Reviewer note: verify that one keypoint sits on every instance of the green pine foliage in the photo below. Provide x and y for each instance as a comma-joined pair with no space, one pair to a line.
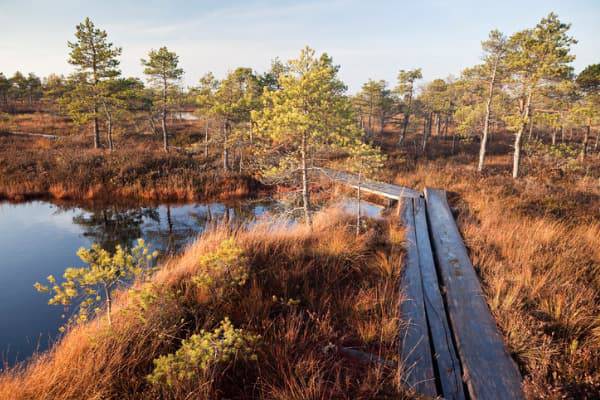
226,266
94,283
204,351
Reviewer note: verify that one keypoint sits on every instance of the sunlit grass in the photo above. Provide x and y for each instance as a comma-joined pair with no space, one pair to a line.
305,290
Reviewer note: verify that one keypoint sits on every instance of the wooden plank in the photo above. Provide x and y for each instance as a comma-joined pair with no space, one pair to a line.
444,353
394,192
488,370
415,354
42,135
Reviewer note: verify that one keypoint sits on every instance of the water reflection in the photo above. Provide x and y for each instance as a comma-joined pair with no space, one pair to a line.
40,238
111,226
168,227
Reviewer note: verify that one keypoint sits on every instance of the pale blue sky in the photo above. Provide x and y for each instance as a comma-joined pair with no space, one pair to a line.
369,39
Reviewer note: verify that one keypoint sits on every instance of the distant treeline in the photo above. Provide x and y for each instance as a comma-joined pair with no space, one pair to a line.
525,84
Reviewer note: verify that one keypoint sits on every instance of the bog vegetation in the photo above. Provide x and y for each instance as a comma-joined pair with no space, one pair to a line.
267,312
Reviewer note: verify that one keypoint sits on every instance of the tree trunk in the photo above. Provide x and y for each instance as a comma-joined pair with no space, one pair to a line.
95,99
370,123
164,130
427,132
209,213
164,117
562,134
438,125
405,120
446,122
108,305
108,115
597,139
225,147
486,124
529,135
453,142
305,197
358,204
206,139
96,131
586,138
170,238
169,220
554,136
109,132
519,137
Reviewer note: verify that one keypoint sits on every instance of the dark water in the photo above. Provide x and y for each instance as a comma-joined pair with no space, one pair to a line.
39,238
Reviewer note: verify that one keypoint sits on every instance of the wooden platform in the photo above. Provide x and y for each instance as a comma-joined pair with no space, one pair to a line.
387,190
28,134
450,344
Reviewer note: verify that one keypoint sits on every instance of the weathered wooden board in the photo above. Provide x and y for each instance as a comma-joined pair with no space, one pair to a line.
444,353
488,370
394,192
42,135
415,353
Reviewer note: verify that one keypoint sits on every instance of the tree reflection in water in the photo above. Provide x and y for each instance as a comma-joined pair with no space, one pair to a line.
114,225
167,227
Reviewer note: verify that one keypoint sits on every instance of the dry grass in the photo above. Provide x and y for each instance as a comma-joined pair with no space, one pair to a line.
39,122
535,244
347,292
69,169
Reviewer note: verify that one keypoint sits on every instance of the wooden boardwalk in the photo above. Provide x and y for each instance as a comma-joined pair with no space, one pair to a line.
389,191
28,134
450,344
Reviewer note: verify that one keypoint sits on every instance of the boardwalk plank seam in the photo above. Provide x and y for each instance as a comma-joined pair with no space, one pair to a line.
488,370
416,357
447,362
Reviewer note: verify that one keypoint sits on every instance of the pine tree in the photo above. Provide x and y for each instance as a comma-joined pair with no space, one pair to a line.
237,95
96,281
406,90
310,113
4,89
365,161
162,68
205,100
117,97
375,102
536,55
96,60
588,82
495,51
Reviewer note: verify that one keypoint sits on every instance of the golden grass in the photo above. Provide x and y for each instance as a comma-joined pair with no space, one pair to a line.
138,169
535,245
69,169
346,298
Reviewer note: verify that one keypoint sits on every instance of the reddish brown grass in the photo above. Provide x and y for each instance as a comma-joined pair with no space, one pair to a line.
535,245
346,297
69,169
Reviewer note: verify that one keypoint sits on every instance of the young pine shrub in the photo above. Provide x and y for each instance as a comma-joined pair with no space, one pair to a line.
225,267
104,272
203,354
